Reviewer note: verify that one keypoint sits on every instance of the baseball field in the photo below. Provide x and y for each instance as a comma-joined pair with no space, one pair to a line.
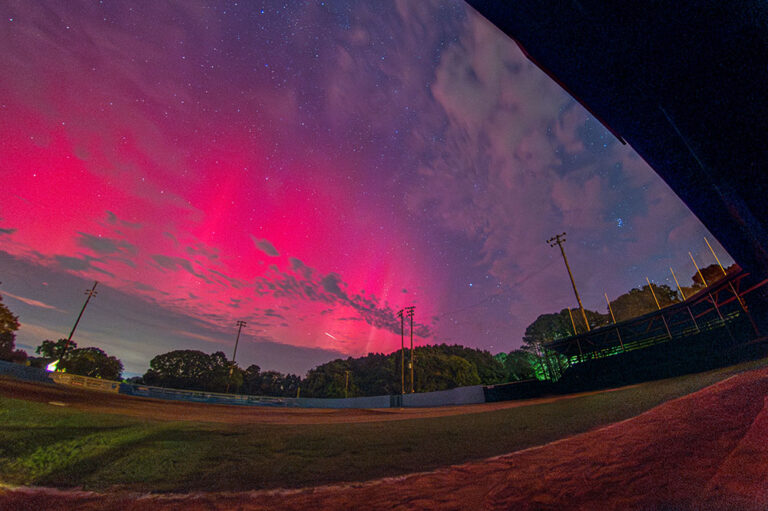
688,442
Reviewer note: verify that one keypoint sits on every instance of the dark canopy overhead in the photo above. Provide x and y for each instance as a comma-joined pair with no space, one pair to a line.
685,83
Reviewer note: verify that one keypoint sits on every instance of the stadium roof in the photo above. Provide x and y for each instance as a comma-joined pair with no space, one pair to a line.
683,82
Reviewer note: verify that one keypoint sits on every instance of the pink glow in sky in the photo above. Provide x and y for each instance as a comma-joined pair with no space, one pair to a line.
310,169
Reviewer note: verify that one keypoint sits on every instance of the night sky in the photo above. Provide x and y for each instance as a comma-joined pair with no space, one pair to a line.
310,168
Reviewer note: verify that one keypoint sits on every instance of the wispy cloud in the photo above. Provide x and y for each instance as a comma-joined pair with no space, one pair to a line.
202,337
30,301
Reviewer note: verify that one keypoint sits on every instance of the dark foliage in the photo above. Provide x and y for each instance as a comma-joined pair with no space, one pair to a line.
192,369
437,367
54,350
89,361
9,323
92,362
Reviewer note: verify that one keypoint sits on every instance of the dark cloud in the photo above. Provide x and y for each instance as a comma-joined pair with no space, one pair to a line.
80,264
330,288
265,246
123,260
176,263
7,230
272,313
211,253
102,245
234,282
143,287
299,267
330,284
112,219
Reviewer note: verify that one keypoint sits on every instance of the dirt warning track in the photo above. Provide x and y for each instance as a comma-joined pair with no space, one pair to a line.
106,402
707,450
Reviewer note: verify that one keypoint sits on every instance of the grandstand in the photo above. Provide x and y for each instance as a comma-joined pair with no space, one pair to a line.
712,328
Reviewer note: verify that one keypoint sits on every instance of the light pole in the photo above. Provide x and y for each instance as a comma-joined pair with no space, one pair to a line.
346,383
91,293
240,325
558,240
610,309
409,313
402,353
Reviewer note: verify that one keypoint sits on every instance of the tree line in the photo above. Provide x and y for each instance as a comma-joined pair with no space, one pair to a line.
437,367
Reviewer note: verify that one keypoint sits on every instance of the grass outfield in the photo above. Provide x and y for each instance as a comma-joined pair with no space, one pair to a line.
46,445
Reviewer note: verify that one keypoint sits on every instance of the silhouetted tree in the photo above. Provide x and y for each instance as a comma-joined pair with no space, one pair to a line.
53,350
554,326
251,379
192,369
518,365
438,367
272,383
9,323
489,369
712,274
640,301
326,380
440,371
92,362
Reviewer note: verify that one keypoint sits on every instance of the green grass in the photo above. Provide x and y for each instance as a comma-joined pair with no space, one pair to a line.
44,445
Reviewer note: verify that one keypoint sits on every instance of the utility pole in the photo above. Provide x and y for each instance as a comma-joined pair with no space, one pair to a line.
240,325
402,353
409,312
91,293
558,240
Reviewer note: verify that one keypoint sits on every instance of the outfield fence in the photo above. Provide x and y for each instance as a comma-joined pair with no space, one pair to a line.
457,396
85,382
23,372
199,396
